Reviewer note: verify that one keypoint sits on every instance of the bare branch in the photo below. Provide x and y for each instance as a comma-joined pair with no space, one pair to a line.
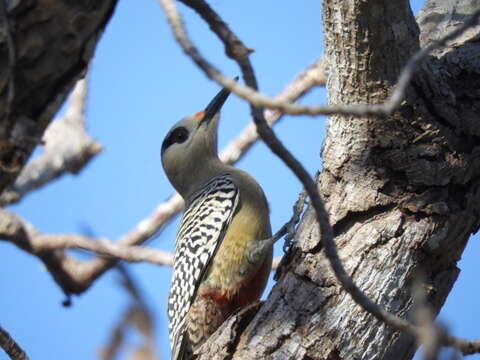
68,148
313,75
10,346
25,236
268,136
236,50
72,275
467,347
103,247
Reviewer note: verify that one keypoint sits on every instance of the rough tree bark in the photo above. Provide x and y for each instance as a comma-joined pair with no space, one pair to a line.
45,46
402,192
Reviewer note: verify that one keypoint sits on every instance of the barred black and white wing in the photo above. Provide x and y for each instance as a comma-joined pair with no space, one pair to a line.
200,233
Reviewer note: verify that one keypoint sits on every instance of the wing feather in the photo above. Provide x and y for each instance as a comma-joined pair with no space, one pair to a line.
200,233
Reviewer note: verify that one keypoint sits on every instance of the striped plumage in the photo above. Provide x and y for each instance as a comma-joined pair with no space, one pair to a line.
221,263
200,232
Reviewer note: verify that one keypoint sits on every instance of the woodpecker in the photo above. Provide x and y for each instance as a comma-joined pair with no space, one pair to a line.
222,260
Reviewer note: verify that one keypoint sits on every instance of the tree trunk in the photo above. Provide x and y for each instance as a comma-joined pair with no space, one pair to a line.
401,191
46,46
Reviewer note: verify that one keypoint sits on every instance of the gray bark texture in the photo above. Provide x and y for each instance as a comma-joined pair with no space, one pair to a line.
402,191
45,46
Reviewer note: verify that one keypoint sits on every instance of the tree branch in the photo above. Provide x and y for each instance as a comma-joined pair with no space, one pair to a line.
236,50
10,346
68,148
45,69
25,236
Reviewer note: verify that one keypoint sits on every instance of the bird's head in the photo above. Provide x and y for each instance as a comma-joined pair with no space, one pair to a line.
191,145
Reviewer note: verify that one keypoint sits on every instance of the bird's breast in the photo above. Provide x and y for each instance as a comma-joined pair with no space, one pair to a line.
230,269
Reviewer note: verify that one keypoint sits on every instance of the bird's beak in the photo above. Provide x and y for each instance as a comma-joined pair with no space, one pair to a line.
215,105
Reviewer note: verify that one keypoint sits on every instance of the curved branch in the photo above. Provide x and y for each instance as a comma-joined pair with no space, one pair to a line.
237,51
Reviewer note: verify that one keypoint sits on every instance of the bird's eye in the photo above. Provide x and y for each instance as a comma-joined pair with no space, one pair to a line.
178,135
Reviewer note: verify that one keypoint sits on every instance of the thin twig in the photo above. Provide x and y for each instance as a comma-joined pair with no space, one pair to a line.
255,98
268,136
466,346
9,345
288,229
103,247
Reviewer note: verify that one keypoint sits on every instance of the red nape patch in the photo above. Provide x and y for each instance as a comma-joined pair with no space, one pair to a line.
199,115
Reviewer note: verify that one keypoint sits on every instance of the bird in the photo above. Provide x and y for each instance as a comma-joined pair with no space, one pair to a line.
221,261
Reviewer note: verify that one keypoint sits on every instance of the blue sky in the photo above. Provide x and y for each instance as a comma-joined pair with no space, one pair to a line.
141,84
